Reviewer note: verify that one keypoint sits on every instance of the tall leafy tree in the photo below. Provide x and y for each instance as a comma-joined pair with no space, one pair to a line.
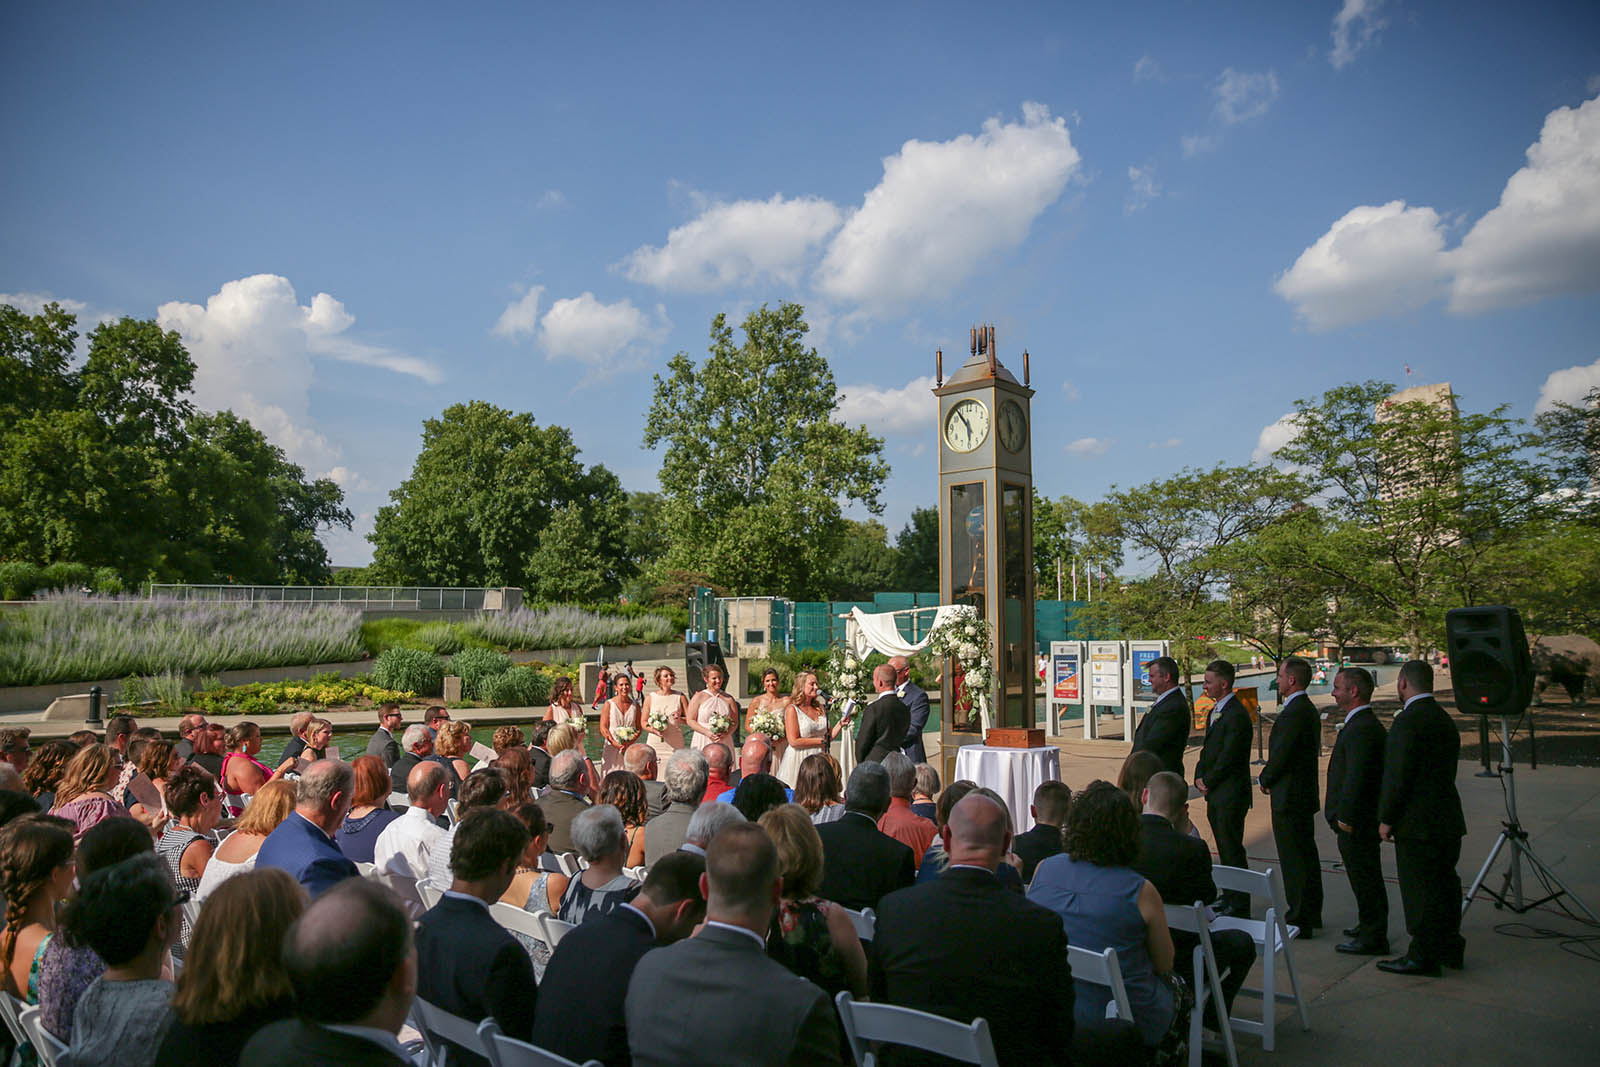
1068,532
864,564
755,470
917,553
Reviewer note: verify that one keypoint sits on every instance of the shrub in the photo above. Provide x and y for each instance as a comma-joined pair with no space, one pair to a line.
519,687
18,579
164,688
72,576
107,582
379,634
566,627
475,666
443,638
411,670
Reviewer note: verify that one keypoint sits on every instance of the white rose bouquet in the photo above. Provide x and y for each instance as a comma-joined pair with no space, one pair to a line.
625,734
767,721
848,676
659,720
719,724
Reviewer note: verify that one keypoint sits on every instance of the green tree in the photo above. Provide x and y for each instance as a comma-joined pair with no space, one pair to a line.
1568,437
35,353
1068,532
917,553
563,568
484,488
755,470
864,564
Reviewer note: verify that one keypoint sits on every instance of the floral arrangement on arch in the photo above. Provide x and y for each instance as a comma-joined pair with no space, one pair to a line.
966,639
848,677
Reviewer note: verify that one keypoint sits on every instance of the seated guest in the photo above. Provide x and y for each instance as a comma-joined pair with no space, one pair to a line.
129,914
36,872
417,746
318,736
158,761
84,795
383,743
405,847
624,791
900,822
243,774
303,843
811,936
518,768
296,747
453,743
685,785
758,793
67,970
641,760
209,746
860,862
817,787
188,725
568,795
535,891
187,845
925,791
273,803
934,861
1137,770
233,982
1050,803
1104,903
119,733
351,965
468,964
44,771
482,789
600,840
718,996
14,749
10,780
1179,866
706,822
963,946
505,737
369,809
538,734
15,803
755,757
719,770
581,999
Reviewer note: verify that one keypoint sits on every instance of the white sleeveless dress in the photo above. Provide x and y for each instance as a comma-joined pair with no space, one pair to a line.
789,769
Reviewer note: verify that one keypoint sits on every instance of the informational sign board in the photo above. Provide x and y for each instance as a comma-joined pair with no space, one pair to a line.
1105,673
1066,674
1140,655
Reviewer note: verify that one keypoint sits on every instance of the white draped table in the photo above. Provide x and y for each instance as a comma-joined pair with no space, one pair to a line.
1014,773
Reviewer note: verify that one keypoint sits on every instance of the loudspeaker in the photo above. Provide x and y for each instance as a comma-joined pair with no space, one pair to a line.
699,655
1490,669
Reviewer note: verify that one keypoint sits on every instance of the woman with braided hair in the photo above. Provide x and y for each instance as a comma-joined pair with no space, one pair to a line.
36,873
84,795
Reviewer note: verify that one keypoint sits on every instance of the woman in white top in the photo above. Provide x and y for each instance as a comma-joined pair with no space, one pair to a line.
619,711
676,706
806,721
272,804
707,704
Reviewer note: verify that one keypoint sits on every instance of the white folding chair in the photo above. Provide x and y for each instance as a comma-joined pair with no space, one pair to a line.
865,922
1101,968
569,863
450,809
554,929
430,896
438,1026
11,1012
549,861
1206,979
967,1042
49,1047
509,1052
1272,936
519,921
637,873
399,800
191,912
365,869
402,886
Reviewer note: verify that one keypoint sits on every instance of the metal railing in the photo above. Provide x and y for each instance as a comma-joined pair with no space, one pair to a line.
398,597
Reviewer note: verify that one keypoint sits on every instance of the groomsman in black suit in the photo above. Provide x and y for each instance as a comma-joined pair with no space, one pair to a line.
1223,776
1164,730
1420,811
1355,776
915,698
1290,779
885,721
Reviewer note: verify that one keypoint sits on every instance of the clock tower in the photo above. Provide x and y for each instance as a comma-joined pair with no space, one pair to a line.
986,531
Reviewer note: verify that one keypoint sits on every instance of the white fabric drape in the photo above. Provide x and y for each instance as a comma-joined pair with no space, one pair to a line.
866,632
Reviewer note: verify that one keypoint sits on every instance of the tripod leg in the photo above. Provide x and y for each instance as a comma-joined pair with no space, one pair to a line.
1553,878
1483,872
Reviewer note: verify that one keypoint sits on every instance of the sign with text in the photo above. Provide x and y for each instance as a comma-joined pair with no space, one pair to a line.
1067,677
1140,655
1105,673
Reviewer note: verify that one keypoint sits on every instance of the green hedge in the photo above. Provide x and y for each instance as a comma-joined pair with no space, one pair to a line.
475,666
520,687
410,670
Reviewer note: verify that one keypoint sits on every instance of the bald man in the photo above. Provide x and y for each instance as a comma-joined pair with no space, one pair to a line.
885,721
963,945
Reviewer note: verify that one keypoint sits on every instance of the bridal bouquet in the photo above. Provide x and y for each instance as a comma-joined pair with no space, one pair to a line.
719,724
659,720
767,721
625,734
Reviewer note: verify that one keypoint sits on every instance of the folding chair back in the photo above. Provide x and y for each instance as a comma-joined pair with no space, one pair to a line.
365,869
11,1010
1272,936
554,930
967,1042
49,1047
515,919
430,896
865,922
509,1052
402,886
1101,968
438,1026
399,801
1205,980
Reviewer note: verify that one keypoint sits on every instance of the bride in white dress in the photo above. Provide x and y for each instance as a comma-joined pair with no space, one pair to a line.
807,723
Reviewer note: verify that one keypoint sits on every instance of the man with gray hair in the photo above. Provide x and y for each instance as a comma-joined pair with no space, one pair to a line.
900,822
568,797
303,843
707,820
685,785
860,863
885,722
417,744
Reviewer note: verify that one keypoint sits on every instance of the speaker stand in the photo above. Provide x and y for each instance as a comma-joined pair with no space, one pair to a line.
1511,889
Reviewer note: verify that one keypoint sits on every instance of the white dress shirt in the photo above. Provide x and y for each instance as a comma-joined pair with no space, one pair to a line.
406,844
1353,711
1413,700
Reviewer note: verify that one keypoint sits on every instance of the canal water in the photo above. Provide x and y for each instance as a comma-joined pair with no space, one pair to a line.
352,743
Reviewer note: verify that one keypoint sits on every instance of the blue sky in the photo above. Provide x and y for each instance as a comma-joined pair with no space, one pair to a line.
1190,214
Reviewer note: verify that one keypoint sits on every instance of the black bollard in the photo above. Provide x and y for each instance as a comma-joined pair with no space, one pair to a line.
94,705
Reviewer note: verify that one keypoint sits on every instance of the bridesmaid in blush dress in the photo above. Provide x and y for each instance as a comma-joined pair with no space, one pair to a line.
676,706
619,711
708,703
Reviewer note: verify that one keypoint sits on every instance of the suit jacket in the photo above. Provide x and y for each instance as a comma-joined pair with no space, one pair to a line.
655,797
400,770
915,699
581,999
541,766
307,853
1292,750
1179,866
719,998
883,728
471,966
1419,797
666,832
384,746
307,1044
1164,730
1355,774
860,863
559,811
964,946
1041,842
1225,758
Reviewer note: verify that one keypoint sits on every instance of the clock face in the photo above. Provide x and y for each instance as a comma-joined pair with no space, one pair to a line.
1013,426
967,425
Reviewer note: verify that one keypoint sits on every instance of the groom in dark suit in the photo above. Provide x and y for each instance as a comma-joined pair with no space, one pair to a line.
1164,729
915,699
1290,779
885,721
1222,774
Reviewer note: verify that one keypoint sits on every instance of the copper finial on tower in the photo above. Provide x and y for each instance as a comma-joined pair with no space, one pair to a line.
1025,374
974,334
938,367
994,368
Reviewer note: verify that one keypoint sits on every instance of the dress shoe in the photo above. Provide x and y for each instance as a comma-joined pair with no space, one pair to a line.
1352,931
1306,932
1457,961
1363,948
1407,965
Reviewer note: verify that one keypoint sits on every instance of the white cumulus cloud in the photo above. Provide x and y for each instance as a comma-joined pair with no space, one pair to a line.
943,206
1356,26
1543,238
521,316
1274,436
33,303
910,408
1142,188
737,244
582,328
1374,261
1089,446
1242,95
1569,386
